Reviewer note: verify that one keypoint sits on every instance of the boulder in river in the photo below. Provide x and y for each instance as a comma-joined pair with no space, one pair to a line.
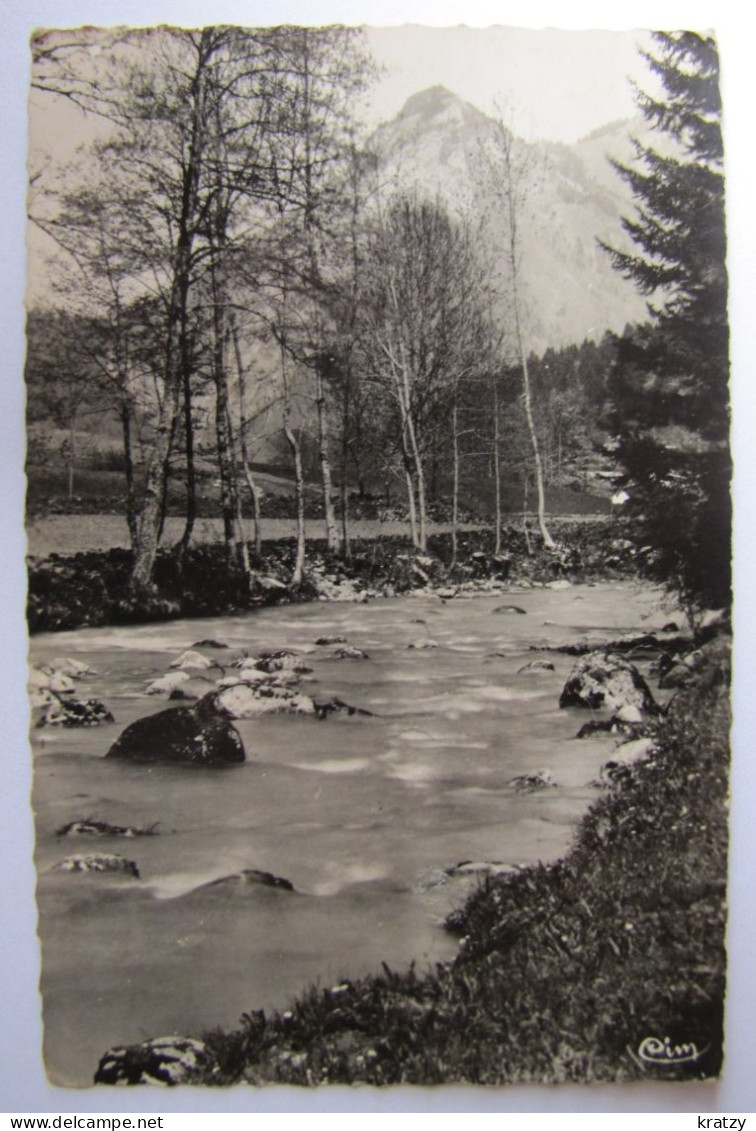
192,689
191,659
39,699
70,666
324,708
530,783
285,659
91,827
605,680
167,683
75,713
484,868
349,653
242,701
249,878
619,769
616,726
194,735
98,862
537,666
47,679
324,640
209,644
256,678
161,1060
509,610
676,673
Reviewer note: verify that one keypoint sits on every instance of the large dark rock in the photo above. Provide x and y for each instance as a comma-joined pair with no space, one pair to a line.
182,734
605,680
161,1060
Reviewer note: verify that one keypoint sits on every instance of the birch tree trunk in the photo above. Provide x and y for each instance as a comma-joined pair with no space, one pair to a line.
455,481
71,454
332,533
254,490
345,422
191,478
128,465
497,467
419,471
222,417
510,189
411,499
292,440
153,500
242,550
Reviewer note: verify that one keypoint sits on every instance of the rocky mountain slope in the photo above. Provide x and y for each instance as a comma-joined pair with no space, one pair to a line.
570,196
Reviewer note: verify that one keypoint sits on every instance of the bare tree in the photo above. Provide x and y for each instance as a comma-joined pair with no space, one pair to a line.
509,182
425,334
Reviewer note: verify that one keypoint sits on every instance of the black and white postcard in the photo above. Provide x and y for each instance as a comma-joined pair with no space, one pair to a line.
378,517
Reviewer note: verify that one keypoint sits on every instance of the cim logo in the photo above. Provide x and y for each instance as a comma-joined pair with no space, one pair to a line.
661,1052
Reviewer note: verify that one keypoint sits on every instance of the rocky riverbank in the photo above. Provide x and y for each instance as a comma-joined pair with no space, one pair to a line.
607,965
92,589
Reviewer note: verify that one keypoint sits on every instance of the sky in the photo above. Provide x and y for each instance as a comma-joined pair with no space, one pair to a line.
554,85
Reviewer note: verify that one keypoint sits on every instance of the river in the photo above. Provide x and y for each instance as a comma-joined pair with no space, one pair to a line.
364,815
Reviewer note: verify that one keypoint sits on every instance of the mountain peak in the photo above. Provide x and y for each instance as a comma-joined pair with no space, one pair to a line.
571,198
429,102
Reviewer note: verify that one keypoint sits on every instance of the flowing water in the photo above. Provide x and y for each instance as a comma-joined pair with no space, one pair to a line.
363,815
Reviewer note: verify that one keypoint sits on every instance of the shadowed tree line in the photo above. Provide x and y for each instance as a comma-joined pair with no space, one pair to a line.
234,279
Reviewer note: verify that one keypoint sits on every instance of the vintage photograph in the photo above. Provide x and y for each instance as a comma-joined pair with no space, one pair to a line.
379,585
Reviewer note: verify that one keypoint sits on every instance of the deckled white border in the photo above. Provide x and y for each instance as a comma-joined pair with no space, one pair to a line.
23,1086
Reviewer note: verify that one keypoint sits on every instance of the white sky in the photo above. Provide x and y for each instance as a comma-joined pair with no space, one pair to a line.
552,84
556,85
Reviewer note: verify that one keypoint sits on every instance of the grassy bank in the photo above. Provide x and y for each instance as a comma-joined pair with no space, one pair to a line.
92,588
101,490
565,973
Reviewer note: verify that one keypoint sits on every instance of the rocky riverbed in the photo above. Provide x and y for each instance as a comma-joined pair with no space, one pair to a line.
342,839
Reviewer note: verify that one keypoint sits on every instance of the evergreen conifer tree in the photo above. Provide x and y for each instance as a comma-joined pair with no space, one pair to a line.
670,386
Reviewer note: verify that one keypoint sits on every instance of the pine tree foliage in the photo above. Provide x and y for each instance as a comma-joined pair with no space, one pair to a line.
670,387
